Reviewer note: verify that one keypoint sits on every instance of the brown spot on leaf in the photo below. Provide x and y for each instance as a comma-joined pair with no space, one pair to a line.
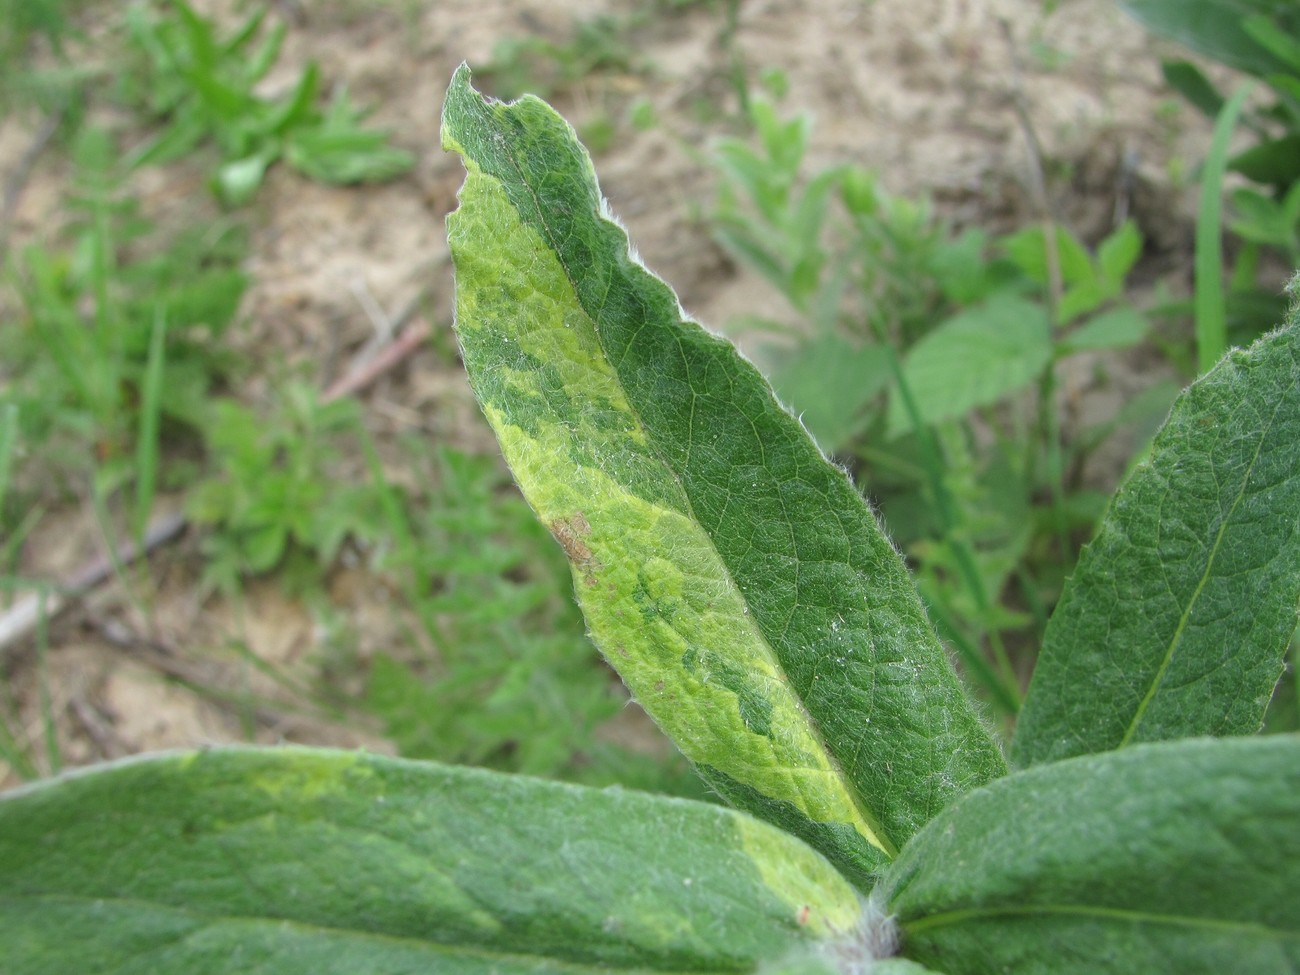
571,533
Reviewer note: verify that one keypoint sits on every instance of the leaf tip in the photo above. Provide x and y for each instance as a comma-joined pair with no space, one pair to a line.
459,94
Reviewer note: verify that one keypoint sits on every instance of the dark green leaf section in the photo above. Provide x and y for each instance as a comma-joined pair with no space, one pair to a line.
1216,28
1177,618
1179,857
311,861
824,588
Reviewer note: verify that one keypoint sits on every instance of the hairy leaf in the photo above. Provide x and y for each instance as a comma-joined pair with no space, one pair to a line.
734,577
313,861
1179,858
1177,618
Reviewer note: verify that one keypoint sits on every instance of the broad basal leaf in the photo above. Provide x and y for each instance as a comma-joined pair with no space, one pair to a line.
1177,618
1179,858
293,861
733,576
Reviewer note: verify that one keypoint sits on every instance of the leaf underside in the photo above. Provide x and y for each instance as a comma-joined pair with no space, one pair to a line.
1177,857
734,578
315,861
1178,616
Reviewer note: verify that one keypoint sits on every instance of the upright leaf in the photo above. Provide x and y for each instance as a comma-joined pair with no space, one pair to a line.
1179,858
312,861
1177,618
732,575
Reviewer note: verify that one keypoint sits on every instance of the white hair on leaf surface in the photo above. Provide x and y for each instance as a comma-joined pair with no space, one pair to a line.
874,938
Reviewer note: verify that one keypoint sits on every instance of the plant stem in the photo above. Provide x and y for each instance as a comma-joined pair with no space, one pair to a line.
1004,689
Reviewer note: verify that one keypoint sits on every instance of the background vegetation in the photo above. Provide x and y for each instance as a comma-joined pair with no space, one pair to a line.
145,404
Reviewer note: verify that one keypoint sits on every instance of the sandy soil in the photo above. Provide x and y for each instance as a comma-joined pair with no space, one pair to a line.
921,90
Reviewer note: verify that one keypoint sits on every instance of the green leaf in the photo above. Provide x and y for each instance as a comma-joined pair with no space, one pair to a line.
975,358
313,861
828,381
1209,309
343,157
8,448
1114,329
1190,81
1214,28
1276,162
1027,249
1177,617
1272,36
734,578
1179,858
1117,254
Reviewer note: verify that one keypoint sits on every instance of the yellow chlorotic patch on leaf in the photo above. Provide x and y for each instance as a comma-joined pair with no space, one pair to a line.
650,581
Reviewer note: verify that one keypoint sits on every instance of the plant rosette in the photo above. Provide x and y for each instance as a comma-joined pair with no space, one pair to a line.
756,610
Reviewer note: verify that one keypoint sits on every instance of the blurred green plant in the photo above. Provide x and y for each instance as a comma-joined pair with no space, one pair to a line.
534,64
276,497
603,54
1260,38
27,29
203,86
76,358
931,358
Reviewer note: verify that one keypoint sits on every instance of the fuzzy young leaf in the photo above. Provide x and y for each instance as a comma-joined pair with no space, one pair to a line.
315,861
1181,857
1177,618
734,577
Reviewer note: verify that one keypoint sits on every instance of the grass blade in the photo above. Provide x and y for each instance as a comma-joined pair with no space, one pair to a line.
8,447
146,447
1210,306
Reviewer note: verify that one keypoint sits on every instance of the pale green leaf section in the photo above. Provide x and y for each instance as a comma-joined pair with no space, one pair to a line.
312,861
1180,611
1180,858
973,359
1114,329
732,576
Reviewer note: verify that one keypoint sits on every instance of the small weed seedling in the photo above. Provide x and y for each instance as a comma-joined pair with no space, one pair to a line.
274,493
748,597
203,85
